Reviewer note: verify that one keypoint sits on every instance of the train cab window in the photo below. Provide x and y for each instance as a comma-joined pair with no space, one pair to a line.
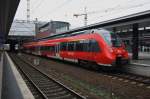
94,47
110,38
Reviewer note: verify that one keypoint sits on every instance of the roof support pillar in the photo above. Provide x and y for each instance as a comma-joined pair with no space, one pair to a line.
135,40
114,29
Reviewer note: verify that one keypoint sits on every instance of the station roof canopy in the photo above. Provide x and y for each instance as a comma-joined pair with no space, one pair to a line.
143,18
7,12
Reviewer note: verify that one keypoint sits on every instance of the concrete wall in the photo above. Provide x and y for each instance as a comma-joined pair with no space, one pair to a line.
13,85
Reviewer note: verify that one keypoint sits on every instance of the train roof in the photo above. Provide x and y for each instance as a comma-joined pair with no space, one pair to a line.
61,35
63,38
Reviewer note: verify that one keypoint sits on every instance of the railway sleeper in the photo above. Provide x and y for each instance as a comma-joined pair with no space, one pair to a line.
55,90
67,96
40,79
52,87
46,83
61,93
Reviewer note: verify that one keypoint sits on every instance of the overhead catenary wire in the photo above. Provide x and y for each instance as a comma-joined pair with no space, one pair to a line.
34,9
105,11
34,1
57,8
61,6
116,9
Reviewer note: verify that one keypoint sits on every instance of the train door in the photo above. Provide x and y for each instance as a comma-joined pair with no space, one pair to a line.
71,49
90,48
94,49
57,49
38,50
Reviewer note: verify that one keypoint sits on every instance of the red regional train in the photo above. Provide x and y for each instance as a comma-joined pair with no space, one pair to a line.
98,46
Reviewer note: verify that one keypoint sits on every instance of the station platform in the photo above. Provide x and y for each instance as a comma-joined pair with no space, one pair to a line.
12,85
144,59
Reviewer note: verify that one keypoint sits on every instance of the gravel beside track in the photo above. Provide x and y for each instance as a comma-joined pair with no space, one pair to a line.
48,87
91,83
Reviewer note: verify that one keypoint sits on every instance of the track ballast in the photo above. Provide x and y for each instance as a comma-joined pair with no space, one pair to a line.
47,87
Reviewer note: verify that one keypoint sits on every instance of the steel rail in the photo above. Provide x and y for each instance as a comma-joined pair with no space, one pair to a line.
49,87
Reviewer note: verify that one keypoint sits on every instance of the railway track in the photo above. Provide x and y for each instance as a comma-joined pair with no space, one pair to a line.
135,78
118,74
45,87
36,93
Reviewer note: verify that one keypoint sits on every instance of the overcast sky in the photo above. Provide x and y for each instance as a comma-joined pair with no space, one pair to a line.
63,10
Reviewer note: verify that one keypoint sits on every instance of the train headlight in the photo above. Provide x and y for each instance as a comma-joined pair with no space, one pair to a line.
118,51
111,50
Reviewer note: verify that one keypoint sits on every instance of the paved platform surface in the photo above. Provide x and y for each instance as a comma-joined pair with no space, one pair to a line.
13,85
144,59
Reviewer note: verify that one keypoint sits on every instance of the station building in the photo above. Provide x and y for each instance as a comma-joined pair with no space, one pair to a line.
51,28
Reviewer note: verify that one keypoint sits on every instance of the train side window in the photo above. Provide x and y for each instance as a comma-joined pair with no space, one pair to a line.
79,46
94,47
70,46
63,46
86,45
82,45
41,48
52,48
49,48
37,48
46,48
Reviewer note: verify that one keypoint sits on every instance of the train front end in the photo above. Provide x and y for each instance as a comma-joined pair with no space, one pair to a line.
115,51
119,50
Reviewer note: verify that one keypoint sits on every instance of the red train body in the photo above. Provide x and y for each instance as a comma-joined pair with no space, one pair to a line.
93,46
